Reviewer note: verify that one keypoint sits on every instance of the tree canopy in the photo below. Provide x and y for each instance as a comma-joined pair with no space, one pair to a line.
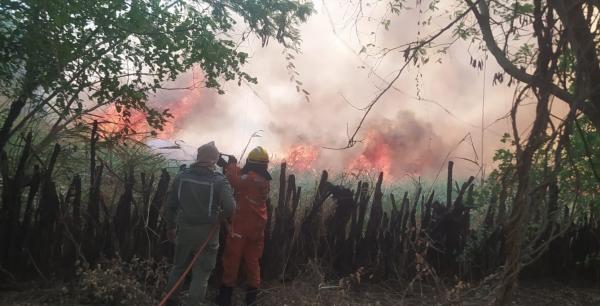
63,59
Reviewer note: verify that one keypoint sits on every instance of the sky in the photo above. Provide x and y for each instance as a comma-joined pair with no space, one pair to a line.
432,114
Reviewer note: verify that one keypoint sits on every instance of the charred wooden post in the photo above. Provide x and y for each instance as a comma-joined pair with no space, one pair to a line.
122,218
396,235
287,218
385,248
94,137
107,238
142,247
362,210
358,232
153,227
369,245
405,213
435,230
470,204
48,210
159,198
449,185
73,223
358,192
449,231
458,204
502,199
310,227
354,231
280,210
295,202
413,211
336,225
28,216
488,222
76,205
290,243
465,228
426,213
394,213
10,235
273,237
400,236
147,185
92,226
374,222
287,234
350,245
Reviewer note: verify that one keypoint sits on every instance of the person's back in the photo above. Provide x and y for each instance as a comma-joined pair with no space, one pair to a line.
198,194
198,198
245,240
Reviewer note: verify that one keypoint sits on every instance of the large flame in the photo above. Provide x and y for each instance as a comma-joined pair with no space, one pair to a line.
375,157
112,122
179,110
136,126
302,157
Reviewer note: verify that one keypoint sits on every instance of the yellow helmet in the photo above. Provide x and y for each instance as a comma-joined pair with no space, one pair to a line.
258,155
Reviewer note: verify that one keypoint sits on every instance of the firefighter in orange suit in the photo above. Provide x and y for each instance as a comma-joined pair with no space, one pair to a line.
245,237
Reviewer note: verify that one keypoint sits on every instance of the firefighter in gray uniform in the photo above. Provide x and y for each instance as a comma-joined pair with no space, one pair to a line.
197,200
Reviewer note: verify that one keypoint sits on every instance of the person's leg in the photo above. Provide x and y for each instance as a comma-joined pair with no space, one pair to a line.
253,251
180,262
200,274
232,256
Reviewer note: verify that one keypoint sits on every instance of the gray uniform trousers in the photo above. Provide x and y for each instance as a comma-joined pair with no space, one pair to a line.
189,239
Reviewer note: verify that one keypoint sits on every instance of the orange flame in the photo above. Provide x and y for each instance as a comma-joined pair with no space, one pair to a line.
375,157
113,122
179,110
302,157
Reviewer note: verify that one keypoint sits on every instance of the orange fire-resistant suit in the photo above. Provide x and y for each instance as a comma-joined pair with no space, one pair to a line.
245,237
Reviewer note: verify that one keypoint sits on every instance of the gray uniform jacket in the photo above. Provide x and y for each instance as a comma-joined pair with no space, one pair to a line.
198,196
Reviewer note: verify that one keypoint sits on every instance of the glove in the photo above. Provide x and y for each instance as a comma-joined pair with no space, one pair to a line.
232,160
221,162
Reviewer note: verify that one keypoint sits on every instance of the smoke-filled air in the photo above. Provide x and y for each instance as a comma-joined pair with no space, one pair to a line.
433,113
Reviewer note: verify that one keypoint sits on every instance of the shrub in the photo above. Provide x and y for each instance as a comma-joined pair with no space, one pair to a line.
112,283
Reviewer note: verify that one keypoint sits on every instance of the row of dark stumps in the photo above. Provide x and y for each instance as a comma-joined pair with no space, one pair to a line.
47,232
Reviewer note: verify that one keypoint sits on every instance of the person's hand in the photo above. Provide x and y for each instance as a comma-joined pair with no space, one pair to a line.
172,234
232,160
221,162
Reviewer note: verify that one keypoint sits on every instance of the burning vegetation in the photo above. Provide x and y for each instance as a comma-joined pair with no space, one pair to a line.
397,147
139,125
302,157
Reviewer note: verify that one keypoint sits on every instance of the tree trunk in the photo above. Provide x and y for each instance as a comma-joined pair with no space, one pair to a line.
518,218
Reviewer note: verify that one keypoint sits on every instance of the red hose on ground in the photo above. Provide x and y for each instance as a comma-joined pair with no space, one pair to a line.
189,267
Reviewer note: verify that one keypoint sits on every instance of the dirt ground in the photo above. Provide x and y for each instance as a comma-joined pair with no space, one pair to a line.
530,293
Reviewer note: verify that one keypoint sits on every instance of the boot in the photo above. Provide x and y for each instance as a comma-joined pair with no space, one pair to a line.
224,296
251,296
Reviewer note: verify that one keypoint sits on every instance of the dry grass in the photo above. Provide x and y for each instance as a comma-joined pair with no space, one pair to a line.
311,288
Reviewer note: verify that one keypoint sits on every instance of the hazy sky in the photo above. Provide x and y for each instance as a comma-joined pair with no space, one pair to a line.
414,135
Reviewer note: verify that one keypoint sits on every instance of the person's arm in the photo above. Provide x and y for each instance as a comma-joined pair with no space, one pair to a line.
227,199
232,172
170,209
